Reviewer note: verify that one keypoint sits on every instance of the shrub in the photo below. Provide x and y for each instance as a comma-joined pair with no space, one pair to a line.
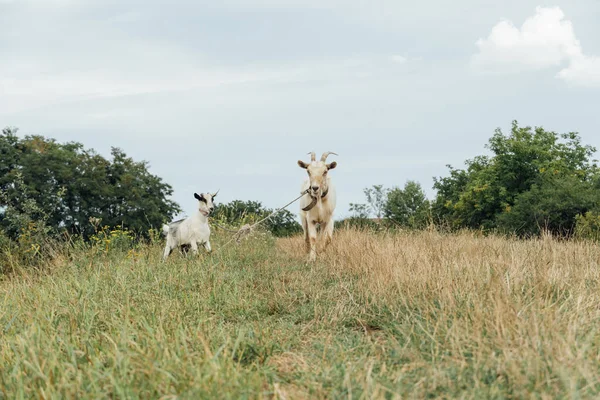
552,205
587,226
106,240
25,240
408,207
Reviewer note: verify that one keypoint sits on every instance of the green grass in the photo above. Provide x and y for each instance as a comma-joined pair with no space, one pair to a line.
404,316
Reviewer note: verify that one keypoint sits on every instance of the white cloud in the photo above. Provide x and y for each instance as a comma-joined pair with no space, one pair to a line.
582,71
545,40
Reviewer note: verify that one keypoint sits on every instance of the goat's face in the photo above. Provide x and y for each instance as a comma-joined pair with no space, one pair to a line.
317,173
205,202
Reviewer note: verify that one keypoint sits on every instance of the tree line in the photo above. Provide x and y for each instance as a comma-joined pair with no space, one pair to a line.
532,180
70,184
74,190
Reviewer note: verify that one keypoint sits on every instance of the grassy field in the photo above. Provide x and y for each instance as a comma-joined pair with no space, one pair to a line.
420,315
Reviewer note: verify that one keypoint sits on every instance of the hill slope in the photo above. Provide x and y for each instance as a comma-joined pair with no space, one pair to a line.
377,316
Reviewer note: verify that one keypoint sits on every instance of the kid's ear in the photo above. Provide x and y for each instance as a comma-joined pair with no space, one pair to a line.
198,197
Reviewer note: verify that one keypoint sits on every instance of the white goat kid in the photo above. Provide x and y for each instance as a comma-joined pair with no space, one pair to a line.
317,206
191,231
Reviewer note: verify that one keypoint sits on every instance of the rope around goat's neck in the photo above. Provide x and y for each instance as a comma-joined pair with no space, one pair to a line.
314,201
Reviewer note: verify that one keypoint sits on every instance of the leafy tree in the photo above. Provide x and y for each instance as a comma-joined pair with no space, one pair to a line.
238,211
359,211
408,207
283,223
525,160
449,190
71,184
376,201
139,198
376,198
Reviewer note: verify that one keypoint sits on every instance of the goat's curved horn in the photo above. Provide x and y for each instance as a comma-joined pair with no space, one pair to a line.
327,153
313,156
214,195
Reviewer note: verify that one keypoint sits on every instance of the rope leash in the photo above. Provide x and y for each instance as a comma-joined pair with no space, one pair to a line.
223,228
246,229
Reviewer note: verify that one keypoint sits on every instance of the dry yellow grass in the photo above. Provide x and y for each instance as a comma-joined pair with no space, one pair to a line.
528,312
408,315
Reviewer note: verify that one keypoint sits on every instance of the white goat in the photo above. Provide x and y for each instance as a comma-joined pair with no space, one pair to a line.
193,230
317,206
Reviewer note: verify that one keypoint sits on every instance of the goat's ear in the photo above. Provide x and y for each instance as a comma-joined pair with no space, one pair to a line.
302,164
198,197
331,165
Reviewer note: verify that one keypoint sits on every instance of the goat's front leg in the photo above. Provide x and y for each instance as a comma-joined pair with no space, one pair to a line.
194,245
328,232
312,238
306,238
207,246
167,252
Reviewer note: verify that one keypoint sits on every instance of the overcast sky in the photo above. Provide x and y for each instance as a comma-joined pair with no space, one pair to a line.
230,94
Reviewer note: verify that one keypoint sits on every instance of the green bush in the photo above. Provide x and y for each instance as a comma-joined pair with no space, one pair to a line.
6,250
32,249
552,206
25,240
587,226
106,240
